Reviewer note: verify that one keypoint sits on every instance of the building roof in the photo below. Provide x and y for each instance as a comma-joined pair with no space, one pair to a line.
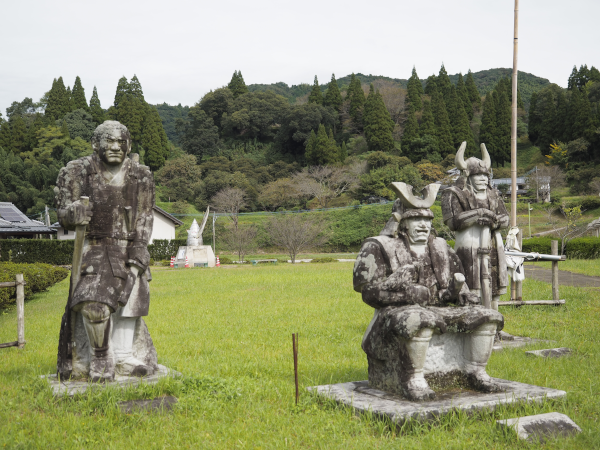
14,223
175,220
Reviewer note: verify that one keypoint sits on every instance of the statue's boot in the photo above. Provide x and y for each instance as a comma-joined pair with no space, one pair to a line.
414,386
96,320
477,352
122,340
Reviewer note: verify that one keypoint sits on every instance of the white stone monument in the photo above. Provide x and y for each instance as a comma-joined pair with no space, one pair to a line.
197,254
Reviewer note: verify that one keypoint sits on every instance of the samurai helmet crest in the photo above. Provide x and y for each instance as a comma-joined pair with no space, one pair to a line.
473,166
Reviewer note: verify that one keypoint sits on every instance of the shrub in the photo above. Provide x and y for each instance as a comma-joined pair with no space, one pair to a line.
31,251
583,248
326,259
38,277
538,245
164,248
225,260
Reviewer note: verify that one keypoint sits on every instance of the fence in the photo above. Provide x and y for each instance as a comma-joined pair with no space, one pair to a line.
19,283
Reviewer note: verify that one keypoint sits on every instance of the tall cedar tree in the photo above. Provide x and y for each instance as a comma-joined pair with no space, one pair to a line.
487,132
78,95
444,84
135,88
503,122
431,85
131,113
32,137
427,126
369,105
71,102
343,152
357,100
96,109
472,91
154,140
237,84
316,96
442,124
324,150
309,149
411,129
5,136
533,119
562,111
19,135
58,102
415,90
333,97
463,94
379,126
122,89
461,129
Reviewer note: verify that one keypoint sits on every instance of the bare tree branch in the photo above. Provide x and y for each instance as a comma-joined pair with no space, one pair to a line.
230,201
295,233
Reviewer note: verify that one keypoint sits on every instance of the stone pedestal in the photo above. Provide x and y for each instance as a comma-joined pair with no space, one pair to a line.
197,255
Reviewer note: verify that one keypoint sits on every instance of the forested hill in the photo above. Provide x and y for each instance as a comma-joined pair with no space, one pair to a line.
485,81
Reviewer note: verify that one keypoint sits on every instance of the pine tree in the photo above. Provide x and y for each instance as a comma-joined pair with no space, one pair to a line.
473,91
71,103
444,84
237,85
122,89
309,150
367,110
96,109
19,135
461,129
431,85
487,132
333,151
135,89
154,140
415,90
357,100
316,95
322,149
78,96
573,79
463,94
343,152
58,102
411,129
503,123
380,126
333,97
442,124
427,126
594,74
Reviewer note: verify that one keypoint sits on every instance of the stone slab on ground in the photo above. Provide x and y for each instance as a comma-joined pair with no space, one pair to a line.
158,404
72,387
361,397
509,341
550,352
541,426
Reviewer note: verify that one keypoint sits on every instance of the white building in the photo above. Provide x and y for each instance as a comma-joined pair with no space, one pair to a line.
164,226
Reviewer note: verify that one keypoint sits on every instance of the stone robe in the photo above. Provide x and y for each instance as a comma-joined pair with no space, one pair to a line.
458,205
417,299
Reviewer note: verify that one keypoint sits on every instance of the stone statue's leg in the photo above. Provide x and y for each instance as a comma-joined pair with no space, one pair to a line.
495,300
122,341
414,385
96,320
477,352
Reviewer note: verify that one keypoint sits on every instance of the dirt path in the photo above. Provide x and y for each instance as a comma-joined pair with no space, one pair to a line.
564,278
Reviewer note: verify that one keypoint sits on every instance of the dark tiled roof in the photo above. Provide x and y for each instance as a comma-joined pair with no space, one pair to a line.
175,220
14,223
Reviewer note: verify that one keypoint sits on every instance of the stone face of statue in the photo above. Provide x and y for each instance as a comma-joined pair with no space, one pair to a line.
418,229
479,182
113,147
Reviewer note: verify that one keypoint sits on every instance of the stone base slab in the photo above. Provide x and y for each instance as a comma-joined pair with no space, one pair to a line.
72,387
541,426
551,352
361,397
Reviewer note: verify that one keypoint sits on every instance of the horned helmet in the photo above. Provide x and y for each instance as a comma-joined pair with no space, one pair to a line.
473,166
409,205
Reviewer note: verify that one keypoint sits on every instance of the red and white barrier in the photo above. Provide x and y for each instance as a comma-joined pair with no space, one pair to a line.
218,263
187,264
172,261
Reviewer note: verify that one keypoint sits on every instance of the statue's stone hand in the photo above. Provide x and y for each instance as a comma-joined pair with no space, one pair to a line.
468,299
78,214
418,294
486,222
403,277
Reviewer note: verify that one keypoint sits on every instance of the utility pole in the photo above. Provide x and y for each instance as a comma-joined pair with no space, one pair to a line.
214,219
513,128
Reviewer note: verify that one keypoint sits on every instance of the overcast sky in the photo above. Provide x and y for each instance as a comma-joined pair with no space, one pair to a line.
180,49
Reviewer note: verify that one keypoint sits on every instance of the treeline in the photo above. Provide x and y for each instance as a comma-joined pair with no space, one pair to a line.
565,125
38,138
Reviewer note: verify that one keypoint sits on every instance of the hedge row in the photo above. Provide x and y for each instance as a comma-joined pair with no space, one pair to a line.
580,248
161,249
38,277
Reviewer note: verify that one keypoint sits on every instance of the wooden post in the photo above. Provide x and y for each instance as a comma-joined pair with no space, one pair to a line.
519,284
20,310
554,247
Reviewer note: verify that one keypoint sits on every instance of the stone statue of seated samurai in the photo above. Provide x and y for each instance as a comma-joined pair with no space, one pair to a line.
426,321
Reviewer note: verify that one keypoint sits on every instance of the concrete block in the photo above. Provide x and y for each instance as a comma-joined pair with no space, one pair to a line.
541,426
157,404
550,353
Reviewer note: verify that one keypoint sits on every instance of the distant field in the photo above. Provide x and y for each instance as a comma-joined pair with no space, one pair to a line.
228,331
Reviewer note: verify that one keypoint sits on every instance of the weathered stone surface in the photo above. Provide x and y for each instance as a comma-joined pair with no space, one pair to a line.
541,426
72,387
157,404
363,398
551,352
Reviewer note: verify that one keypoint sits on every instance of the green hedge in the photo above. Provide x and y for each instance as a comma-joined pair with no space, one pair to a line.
58,253
38,277
579,248
164,248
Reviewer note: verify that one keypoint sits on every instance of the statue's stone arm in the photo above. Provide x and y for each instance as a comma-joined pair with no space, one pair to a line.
69,187
144,220
457,219
379,288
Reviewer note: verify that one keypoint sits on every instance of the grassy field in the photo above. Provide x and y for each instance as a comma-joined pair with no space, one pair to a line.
228,332
589,267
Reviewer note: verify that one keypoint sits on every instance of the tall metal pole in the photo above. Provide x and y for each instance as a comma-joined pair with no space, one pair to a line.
513,128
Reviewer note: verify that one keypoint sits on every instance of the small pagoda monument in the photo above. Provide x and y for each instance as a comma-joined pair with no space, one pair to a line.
195,254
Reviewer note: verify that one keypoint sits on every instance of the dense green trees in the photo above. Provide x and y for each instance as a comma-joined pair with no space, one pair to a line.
58,100
78,96
316,96
237,86
96,109
333,97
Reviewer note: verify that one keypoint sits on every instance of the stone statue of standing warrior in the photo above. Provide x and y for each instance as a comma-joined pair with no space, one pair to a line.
476,213
102,331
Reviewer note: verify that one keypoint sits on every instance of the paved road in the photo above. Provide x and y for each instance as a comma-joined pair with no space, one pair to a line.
564,278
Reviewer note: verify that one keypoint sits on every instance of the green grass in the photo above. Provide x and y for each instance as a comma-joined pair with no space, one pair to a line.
589,267
228,331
